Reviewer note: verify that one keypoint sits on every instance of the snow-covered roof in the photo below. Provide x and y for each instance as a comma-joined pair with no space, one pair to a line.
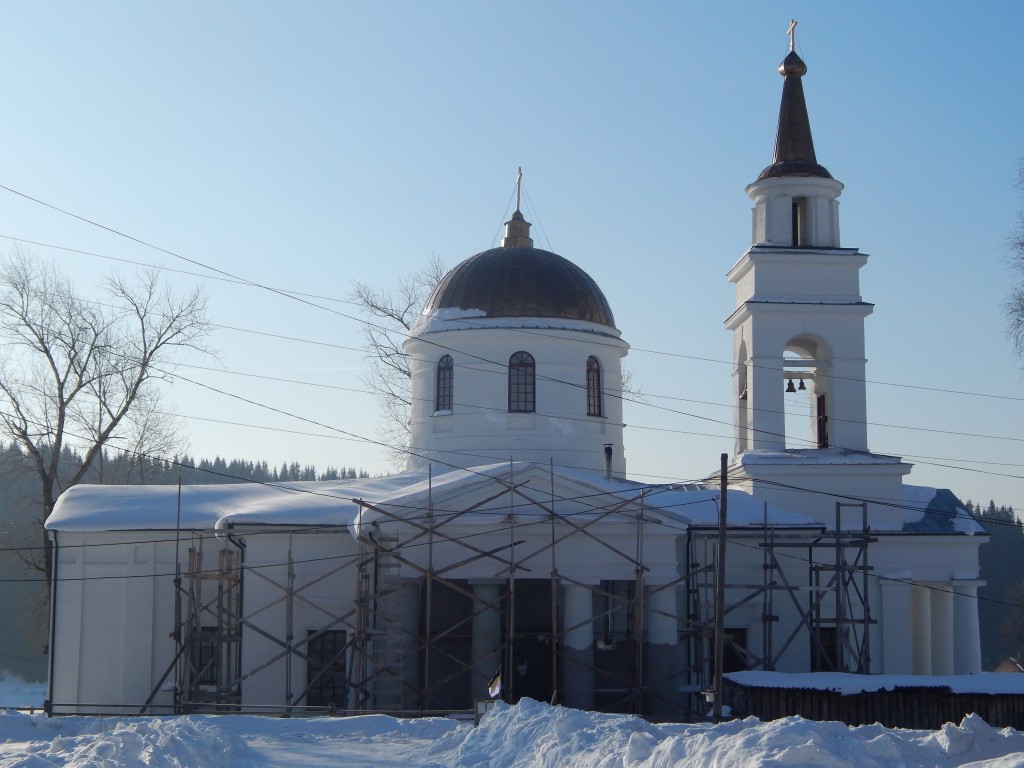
700,508
205,507
804,456
936,510
337,502
578,494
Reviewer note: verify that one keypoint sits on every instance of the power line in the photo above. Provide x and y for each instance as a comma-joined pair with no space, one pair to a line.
295,297
300,296
161,268
416,451
615,500
517,525
923,460
499,364
655,489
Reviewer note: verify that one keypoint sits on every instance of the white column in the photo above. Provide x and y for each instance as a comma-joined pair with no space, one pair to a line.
486,644
765,394
578,644
662,654
942,629
967,639
662,622
920,630
848,425
408,600
897,656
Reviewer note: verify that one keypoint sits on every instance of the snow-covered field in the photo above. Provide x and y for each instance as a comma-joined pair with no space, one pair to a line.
529,734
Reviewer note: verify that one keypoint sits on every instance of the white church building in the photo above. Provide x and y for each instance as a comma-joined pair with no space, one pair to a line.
514,541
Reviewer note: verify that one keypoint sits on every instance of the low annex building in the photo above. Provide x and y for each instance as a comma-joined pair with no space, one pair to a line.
549,570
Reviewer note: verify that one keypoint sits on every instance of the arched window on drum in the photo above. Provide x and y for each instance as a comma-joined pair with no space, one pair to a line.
595,396
522,385
445,390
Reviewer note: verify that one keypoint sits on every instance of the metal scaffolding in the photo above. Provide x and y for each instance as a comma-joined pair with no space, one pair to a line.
831,608
425,631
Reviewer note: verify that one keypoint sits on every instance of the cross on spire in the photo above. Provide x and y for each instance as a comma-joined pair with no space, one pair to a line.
792,35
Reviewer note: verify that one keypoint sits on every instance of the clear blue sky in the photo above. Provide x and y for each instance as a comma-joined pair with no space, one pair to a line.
304,145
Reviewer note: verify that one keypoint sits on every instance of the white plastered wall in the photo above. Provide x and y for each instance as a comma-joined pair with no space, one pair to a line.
480,429
114,614
324,586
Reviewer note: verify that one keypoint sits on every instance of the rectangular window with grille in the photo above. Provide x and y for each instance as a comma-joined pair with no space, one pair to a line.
326,670
207,656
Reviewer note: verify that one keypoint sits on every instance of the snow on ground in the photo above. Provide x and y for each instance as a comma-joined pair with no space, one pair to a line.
528,735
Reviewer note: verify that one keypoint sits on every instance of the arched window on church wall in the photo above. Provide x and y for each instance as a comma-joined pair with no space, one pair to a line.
595,397
445,390
522,385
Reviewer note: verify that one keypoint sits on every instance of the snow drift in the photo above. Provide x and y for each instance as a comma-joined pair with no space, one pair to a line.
527,735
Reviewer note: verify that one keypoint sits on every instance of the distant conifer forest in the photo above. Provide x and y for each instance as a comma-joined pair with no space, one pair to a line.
1001,600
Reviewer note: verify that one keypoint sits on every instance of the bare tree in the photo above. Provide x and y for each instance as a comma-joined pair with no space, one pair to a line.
390,315
150,431
1014,304
82,374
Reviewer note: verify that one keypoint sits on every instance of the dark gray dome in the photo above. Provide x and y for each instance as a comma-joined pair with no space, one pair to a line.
519,281
794,147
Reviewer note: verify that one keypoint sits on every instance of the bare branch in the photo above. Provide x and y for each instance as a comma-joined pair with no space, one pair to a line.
390,315
1014,307
631,389
1014,304
83,374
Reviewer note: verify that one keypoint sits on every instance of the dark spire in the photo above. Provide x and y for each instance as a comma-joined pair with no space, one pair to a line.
794,148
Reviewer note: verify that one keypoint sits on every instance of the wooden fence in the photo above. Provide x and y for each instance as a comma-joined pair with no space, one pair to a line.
917,707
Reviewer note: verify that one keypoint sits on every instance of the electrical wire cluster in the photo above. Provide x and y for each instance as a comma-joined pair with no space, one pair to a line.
325,303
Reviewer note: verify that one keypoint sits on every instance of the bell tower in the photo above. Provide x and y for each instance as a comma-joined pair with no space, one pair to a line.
799,315
798,325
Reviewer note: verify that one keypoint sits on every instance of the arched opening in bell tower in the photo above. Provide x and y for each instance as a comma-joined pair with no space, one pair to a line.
806,371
